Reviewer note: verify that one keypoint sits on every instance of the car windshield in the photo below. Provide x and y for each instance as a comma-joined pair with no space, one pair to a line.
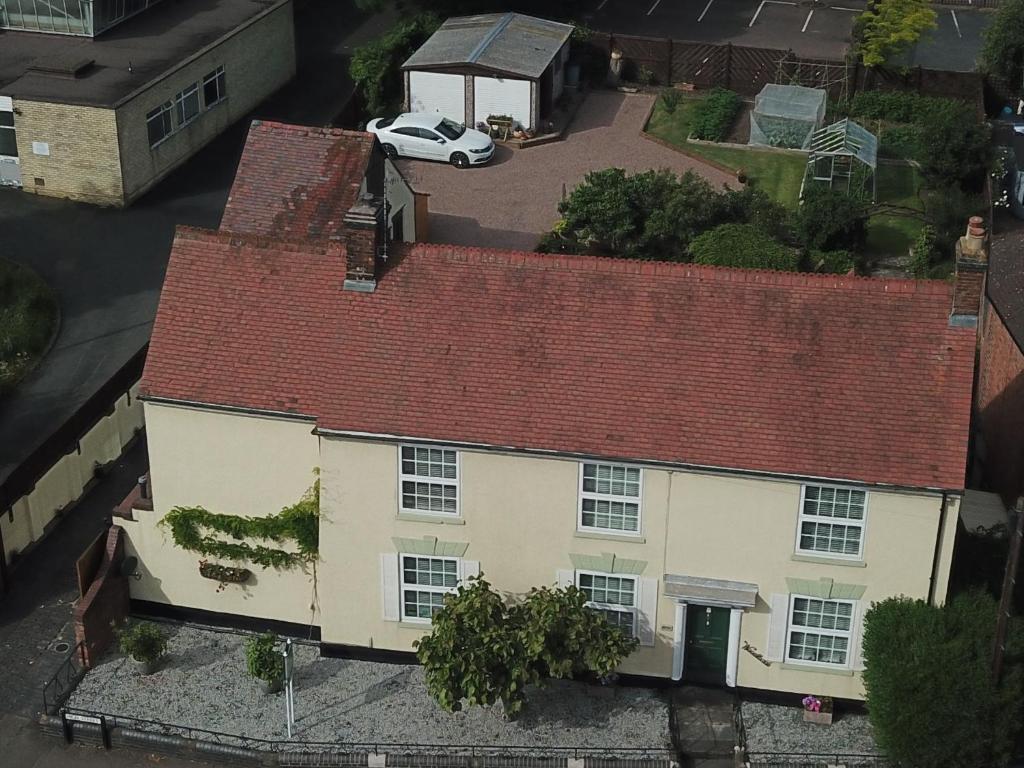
450,129
385,122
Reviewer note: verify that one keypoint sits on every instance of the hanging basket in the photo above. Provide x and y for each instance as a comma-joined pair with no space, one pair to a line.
225,574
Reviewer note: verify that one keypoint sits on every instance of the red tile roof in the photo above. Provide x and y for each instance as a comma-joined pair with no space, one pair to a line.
810,375
296,182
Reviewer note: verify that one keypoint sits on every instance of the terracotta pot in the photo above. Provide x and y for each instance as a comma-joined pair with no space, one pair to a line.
821,718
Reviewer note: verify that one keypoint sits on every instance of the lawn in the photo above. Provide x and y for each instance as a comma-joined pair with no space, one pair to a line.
28,318
779,174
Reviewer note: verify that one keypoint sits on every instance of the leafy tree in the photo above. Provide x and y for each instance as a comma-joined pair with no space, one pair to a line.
956,149
888,28
1002,53
653,215
483,650
742,245
930,693
830,219
376,66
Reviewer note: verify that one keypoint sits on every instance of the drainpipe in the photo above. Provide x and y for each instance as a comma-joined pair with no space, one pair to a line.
938,547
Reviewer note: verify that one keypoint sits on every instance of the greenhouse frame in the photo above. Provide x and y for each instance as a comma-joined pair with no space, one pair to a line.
836,153
786,116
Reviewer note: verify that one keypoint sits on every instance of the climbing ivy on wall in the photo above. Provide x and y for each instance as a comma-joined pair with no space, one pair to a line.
192,527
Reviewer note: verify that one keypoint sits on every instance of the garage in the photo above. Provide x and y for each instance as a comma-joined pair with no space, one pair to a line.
438,92
474,67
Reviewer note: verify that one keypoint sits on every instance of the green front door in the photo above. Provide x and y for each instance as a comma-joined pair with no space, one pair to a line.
707,641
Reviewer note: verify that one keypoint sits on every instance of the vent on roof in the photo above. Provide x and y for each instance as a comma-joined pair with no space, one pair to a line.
62,66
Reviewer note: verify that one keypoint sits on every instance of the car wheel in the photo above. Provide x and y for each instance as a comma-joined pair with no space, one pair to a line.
459,160
390,151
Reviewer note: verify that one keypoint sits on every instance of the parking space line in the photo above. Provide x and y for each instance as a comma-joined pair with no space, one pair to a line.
602,4
840,8
808,20
704,12
956,23
656,3
758,11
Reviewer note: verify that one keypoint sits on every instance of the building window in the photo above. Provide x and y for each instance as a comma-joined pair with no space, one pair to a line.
820,631
614,596
425,582
214,87
158,123
610,498
186,105
832,521
429,479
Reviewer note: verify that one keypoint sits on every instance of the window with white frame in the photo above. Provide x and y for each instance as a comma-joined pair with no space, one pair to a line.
614,596
214,87
425,582
610,498
820,631
429,479
186,105
159,124
832,521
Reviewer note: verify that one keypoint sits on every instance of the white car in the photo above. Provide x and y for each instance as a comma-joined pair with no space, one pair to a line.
429,136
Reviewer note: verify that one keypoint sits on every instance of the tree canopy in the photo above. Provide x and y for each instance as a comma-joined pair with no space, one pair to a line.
1002,53
889,28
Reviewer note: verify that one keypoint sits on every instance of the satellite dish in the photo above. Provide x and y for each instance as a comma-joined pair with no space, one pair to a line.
129,566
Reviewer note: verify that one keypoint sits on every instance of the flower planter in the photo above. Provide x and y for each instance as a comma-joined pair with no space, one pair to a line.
821,718
145,667
271,686
225,574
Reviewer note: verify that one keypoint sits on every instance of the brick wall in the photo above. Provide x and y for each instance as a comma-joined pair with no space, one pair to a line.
257,59
1000,403
83,161
106,602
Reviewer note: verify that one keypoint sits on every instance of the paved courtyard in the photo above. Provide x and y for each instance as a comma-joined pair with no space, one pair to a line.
513,200
203,684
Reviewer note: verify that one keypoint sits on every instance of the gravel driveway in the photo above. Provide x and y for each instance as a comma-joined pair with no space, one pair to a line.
513,200
203,684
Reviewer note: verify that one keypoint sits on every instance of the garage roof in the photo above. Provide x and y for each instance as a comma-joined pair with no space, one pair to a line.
505,42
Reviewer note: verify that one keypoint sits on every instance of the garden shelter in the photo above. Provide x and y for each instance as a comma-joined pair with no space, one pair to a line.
843,156
786,115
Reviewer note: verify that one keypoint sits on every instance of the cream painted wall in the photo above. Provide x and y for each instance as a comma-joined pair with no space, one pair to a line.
227,463
64,483
400,197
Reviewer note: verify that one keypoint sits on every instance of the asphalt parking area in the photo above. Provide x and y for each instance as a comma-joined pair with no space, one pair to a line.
812,28
510,202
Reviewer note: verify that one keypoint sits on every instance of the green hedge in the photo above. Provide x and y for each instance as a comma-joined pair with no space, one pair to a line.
742,245
376,66
713,117
901,141
896,106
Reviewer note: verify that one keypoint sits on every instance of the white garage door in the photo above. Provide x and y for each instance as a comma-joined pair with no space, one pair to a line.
438,92
501,96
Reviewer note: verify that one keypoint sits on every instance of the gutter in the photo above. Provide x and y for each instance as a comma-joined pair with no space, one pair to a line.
943,512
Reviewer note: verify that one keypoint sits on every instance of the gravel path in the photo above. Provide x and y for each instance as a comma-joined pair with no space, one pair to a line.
775,728
203,684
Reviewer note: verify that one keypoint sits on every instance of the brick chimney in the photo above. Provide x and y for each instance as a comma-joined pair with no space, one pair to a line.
969,283
362,233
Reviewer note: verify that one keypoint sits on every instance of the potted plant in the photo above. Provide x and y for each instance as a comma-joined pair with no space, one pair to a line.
818,709
265,662
145,644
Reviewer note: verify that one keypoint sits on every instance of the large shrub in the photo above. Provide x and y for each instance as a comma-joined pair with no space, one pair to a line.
714,115
956,150
1002,53
742,245
930,693
483,649
947,212
652,215
376,66
831,220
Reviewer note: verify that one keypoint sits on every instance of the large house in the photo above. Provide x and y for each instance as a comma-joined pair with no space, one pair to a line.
731,464
100,99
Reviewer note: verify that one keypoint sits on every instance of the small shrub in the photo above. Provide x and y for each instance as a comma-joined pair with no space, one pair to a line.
143,641
925,252
832,262
263,659
644,76
670,100
742,245
714,116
